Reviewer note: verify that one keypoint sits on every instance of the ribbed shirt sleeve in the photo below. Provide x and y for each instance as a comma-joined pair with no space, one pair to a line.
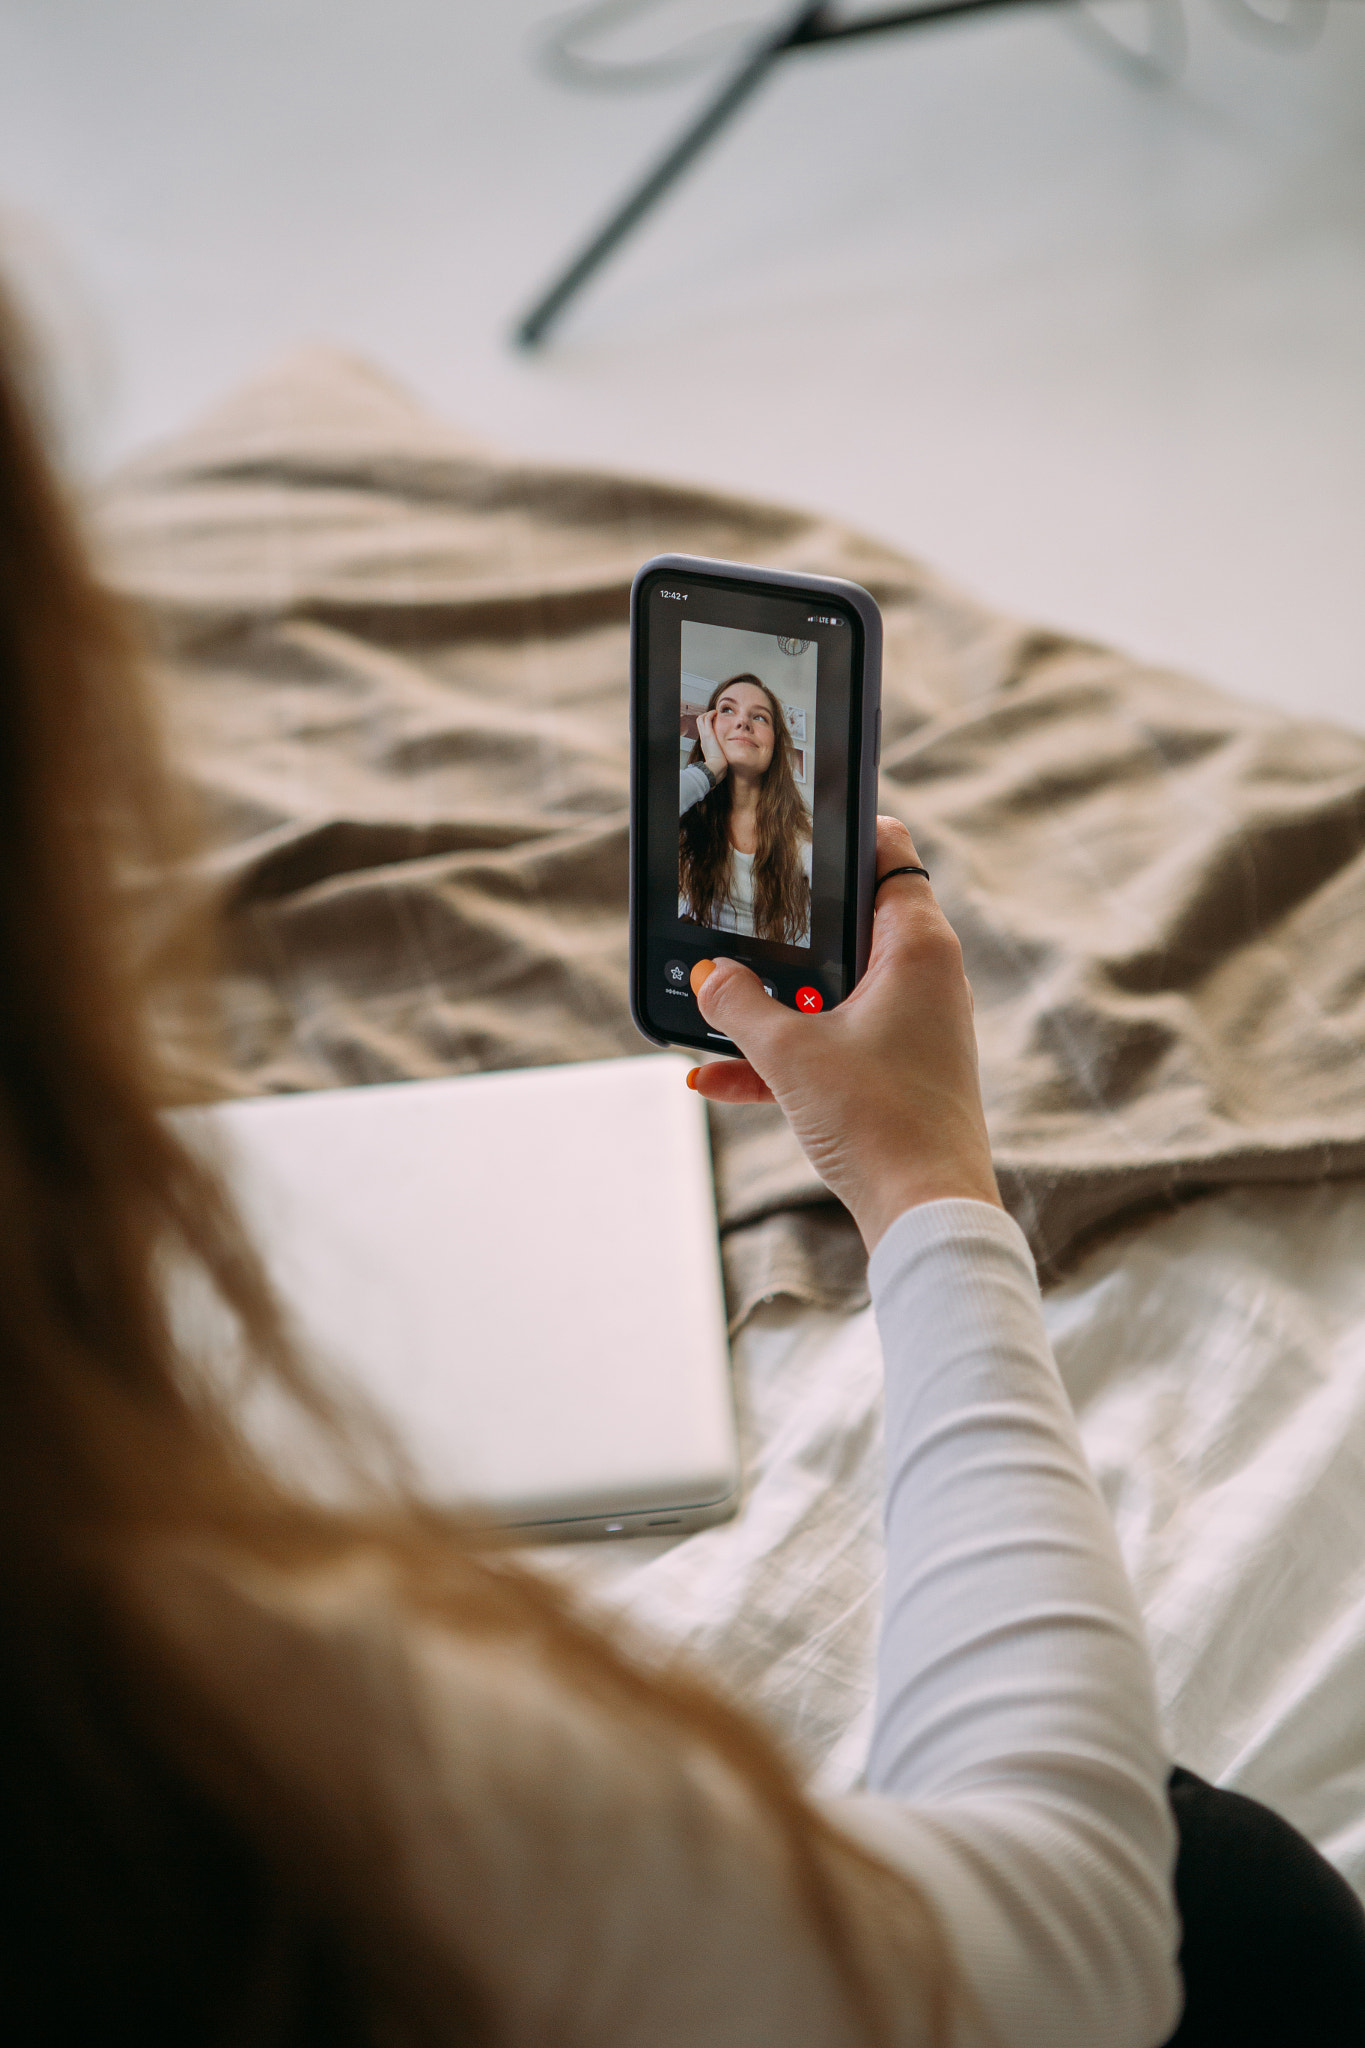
693,784
1016,1768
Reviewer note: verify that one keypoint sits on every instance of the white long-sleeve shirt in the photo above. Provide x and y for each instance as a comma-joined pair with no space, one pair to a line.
1016,1759
603,1878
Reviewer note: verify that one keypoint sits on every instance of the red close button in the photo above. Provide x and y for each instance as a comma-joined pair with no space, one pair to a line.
809,999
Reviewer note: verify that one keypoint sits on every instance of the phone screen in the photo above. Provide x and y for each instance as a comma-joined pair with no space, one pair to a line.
748,721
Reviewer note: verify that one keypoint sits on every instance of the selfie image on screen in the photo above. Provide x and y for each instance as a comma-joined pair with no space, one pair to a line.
746,753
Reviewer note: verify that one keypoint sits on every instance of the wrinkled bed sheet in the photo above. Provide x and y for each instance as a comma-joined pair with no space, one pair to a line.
1216,1359
395,664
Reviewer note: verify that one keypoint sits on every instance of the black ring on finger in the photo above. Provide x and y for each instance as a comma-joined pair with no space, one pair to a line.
913,870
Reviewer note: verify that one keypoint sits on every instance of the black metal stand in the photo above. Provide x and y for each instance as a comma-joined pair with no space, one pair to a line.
809,28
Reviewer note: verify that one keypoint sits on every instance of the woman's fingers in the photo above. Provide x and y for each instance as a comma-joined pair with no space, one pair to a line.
896,849
894,843
710,745
882,1090
729,1081
905,907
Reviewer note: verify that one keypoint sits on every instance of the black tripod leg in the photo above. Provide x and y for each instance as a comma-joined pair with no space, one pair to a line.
746,80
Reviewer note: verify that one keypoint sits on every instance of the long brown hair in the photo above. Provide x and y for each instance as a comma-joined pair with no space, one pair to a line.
173,1878
781,885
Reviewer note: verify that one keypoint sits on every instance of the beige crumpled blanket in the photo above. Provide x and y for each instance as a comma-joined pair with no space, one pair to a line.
396,665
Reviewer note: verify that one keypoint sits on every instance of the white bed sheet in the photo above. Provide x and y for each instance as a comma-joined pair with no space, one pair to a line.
1216,1359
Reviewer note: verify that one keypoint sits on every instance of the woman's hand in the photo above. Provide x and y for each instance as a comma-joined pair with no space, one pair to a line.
882,1091
710,745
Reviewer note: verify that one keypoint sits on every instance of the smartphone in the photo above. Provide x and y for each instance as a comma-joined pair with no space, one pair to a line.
755,733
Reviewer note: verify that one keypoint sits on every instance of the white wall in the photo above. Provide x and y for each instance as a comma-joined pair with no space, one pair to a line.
1094,348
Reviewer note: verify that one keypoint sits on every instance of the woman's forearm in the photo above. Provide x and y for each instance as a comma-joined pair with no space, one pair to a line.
991,1511
1015,1700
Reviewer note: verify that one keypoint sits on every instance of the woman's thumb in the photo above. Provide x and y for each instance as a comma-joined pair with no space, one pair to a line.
734,1002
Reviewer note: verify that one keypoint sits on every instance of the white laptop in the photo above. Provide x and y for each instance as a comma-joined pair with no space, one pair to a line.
521,1270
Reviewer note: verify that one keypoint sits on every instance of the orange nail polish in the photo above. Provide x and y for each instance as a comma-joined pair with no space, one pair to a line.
692,1077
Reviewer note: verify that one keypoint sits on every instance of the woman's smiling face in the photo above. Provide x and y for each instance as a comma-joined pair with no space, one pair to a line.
744,727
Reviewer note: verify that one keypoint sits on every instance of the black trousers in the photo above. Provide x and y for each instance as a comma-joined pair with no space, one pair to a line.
1273,1954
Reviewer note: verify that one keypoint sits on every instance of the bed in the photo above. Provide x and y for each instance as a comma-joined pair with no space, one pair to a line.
394,664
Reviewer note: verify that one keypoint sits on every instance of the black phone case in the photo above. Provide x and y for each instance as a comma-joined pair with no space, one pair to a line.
868,743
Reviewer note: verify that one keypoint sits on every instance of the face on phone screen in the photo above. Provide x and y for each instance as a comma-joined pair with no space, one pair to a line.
744,726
